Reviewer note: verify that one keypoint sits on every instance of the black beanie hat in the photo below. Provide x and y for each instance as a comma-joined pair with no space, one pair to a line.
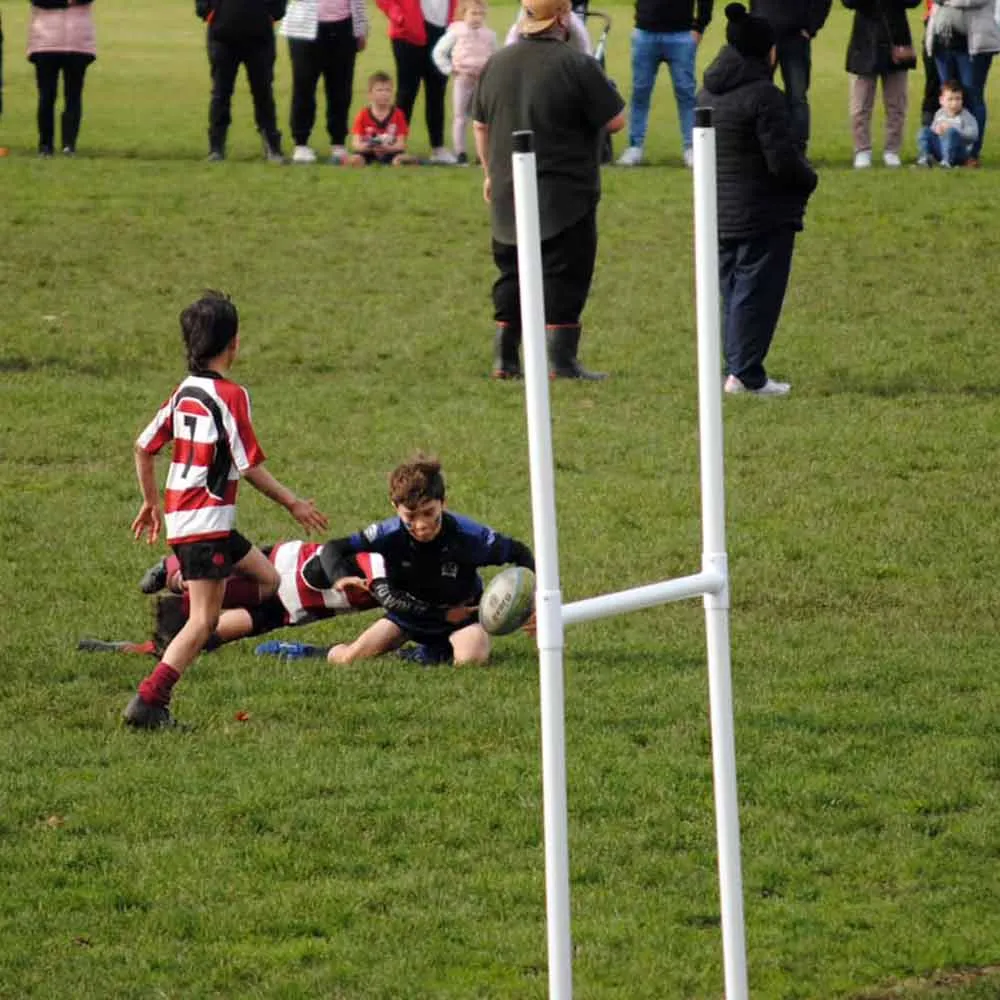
749,35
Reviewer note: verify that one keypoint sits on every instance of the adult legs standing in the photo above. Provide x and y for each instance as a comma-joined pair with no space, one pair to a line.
339,52
258,57
932,85
645,63
435,85
74,69
224,61
409,59
307,60
679,50
795,61
754,277
861,104
895,101
981,63
47,66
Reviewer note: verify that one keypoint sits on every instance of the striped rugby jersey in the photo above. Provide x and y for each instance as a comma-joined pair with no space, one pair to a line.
207,418
302,600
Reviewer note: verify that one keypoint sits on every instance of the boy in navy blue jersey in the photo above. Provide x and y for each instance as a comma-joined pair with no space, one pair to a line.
431,587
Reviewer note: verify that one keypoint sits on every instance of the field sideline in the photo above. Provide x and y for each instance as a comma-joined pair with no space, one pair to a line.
375,833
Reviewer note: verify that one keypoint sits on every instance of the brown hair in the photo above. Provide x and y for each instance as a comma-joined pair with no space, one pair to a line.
952,87
379,76
415,481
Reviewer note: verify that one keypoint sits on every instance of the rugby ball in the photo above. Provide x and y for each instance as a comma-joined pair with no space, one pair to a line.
508,601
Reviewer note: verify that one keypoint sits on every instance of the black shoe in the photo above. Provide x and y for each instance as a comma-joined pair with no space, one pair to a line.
45,152
462,159
155,578
562,343
272,149
506,353
141,715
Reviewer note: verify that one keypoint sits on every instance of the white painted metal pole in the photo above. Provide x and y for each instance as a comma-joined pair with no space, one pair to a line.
548,601
706,228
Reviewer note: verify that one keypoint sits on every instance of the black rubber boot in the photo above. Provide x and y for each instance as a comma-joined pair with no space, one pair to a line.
506,352
562,343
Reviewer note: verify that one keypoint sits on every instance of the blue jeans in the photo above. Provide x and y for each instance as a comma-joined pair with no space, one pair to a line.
971,72
949,148
795,62
649,48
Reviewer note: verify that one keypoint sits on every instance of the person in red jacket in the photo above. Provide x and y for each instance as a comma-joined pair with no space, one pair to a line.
415,26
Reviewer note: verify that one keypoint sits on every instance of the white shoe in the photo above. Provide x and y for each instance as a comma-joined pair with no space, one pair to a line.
632,157
735,387
689,157
444,157
303,154
862,159
892,160
338,154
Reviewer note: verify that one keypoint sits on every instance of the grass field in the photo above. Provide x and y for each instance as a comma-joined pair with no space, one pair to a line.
375,833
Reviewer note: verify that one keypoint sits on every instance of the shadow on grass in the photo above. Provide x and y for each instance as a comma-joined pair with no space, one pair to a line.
966,982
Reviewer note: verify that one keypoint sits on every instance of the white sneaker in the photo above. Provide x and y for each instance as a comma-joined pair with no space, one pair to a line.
338,154
444,157
862,159
689,157
735,387
303,154
632,157
892,160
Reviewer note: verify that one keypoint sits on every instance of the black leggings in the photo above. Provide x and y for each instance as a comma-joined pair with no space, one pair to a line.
48,66
413,64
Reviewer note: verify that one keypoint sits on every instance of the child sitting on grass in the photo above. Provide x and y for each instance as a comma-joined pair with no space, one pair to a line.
951,136
432,587
380,129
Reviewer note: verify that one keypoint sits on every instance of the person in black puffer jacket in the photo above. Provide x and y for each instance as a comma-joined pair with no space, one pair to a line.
764,182
795,23
242,31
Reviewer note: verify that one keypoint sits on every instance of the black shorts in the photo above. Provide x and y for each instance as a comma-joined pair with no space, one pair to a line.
371,156
212,560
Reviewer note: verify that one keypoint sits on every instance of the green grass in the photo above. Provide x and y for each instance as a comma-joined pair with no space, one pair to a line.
376,832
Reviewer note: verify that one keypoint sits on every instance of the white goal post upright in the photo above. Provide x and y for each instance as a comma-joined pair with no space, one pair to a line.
711,583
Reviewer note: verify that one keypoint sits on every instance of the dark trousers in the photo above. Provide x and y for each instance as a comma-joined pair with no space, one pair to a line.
754,276
48,66
795,62
331,56
413,65
568,260
225,59
932,86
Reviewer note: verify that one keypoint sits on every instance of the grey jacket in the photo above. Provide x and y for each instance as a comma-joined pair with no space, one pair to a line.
973,18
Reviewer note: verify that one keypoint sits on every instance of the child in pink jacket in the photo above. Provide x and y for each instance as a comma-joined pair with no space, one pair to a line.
462,53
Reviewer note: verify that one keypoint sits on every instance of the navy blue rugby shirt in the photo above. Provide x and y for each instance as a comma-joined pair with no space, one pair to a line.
425,578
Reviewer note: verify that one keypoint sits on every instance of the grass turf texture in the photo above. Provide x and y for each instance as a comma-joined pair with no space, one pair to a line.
375,832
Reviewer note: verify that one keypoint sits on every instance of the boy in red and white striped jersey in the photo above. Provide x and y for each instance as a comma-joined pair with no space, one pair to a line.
207,421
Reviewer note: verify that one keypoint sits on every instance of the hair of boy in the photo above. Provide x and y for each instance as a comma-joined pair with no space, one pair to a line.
463,6
952,87
379,76
415,481
208,327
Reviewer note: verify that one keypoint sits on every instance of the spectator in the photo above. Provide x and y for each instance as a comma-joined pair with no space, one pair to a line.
342,32
242,32
379,132
963,36
951,136
579,37
665,31
764,182
61,40
880,48
796,23
563,96
462,53
415,27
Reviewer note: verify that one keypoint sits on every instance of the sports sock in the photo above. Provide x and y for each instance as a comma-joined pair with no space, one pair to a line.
155,689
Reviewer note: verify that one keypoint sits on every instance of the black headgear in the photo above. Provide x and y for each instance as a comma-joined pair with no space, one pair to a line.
749,35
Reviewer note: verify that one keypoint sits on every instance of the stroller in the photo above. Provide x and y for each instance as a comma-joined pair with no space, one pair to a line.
600,54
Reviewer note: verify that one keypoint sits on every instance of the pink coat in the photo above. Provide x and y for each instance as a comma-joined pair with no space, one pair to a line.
68,29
